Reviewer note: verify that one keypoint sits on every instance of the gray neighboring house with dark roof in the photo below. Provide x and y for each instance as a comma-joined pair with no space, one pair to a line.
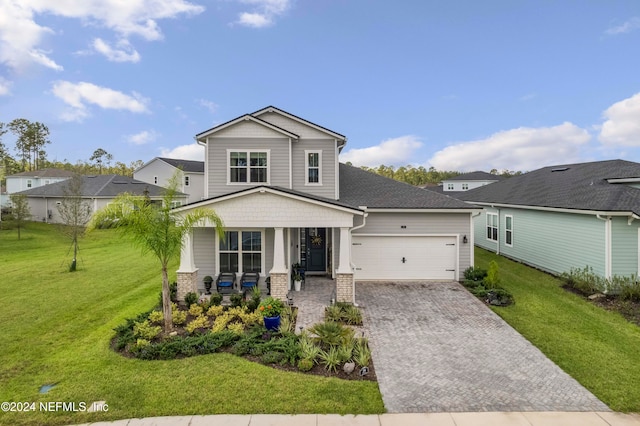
159,170
98,191
464,182
275,180
32,179
565,216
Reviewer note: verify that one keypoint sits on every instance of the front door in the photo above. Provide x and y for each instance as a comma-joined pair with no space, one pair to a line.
316,244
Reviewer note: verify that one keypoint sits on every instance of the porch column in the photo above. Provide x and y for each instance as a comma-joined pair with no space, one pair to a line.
345,285
279,272
187,273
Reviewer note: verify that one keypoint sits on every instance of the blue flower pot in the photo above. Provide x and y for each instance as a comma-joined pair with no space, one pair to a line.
272,323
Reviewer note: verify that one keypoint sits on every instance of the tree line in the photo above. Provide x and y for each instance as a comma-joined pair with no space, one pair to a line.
29,153
423,176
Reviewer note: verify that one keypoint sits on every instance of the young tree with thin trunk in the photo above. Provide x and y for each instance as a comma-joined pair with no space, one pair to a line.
20,210
156,229
75,213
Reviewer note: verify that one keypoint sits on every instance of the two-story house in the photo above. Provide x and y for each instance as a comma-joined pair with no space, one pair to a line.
34,179
159,170
276,182
464,182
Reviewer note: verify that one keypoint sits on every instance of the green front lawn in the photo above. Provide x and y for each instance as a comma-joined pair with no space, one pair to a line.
55,327
598,348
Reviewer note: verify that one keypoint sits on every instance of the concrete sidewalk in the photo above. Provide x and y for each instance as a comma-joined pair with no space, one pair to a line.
404,419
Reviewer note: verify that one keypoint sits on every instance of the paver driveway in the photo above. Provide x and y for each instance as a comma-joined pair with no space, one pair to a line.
436,348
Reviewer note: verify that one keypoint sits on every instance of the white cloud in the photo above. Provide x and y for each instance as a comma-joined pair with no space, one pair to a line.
211,106
396,151
5,86
622,125
142,137
21,36
79,95
521,149
123,52
626,27
264,12
184,152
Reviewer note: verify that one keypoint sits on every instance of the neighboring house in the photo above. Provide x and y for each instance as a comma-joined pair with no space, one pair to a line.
465,182
34,179
98,191
567,216
275,180
159,170
4,197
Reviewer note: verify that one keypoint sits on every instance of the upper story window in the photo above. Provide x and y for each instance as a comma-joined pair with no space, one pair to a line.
465,186
492,226
186,181
155,180
449,187
313,166
248,166
29,183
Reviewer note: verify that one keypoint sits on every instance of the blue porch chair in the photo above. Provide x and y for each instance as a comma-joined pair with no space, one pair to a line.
249,280
226,282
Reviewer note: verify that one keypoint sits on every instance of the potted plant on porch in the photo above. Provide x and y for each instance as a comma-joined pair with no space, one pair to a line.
207,283
297,280
270,309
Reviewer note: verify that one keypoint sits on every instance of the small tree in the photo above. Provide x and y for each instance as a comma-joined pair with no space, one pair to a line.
20,210
75,213
100,156
156,229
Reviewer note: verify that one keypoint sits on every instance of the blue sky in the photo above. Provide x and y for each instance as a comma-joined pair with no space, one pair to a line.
458,85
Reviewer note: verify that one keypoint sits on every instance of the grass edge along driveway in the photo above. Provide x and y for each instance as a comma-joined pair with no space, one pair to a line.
56,328
598,348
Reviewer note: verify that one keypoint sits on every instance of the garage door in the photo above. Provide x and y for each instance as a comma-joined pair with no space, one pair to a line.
404,258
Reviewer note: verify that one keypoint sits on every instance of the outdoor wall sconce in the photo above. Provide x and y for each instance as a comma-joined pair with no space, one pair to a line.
464,239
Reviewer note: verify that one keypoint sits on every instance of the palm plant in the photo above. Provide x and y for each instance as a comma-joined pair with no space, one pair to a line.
154,228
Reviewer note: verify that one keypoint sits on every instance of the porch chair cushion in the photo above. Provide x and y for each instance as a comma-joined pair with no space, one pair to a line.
226,281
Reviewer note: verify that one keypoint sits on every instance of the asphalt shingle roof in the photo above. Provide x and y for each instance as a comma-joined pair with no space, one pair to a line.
45,173
362,188
99,186
581,186
185,165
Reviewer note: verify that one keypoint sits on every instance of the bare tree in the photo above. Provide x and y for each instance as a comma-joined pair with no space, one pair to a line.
75,213
20,210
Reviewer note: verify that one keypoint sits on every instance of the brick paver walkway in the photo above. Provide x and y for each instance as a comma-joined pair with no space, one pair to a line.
436,348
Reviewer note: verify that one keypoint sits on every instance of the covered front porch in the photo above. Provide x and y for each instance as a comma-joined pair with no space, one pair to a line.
267,231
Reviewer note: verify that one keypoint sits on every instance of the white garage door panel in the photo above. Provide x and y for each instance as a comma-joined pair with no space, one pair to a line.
381,257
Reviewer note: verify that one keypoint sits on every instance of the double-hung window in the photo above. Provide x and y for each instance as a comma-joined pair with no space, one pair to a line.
241,251
508,230
449,187
248,166
313,166
465,186
492,226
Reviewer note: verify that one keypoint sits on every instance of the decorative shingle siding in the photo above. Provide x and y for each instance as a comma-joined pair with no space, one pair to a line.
248,129
292,126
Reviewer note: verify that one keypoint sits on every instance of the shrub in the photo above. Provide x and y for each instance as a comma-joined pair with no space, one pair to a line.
493,275
216,299
584,280
352,315
197,323
195,310
156,317
144,330
630,289
333,313
271,357
178,317
215,310
271,307
345,351
362,353
220,323
474,273
331,333
190,298
330,358
498,297
236,328
308,349
305,364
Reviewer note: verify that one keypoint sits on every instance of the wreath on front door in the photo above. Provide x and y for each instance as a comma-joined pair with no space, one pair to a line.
316,240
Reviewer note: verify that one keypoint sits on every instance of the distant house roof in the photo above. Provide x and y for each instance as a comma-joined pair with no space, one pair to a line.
477,175
362,188
101,186
191,166
581,186
44,173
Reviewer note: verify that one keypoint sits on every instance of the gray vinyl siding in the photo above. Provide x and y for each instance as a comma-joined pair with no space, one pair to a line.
155,168
293,126
624,246
424,223
551,241
204,255
328,148
217,162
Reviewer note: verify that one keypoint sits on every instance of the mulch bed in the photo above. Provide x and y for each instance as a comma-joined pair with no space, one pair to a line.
629,309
